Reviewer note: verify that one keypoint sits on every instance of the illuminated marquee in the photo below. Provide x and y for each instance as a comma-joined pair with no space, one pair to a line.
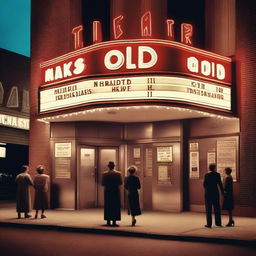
14,121
138,56
139,88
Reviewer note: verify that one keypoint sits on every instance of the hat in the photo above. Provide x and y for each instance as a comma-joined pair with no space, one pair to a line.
111,164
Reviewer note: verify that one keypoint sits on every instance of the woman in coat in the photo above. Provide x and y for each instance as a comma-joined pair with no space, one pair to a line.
132,184
41,185
228,202
111,180
23,181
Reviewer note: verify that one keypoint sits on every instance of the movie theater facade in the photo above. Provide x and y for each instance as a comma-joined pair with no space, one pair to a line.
143,98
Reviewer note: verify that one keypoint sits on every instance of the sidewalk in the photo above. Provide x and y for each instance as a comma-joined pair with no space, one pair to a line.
185,226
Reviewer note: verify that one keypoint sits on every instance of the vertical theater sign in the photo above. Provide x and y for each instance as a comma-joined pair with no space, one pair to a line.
138,70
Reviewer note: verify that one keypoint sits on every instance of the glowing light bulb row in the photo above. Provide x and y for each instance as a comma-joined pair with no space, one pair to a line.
97,110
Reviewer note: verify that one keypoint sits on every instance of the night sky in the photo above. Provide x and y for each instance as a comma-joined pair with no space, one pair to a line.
15,26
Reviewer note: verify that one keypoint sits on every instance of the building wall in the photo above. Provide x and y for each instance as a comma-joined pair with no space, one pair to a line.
133,10
230,30
51,37
245,60
16,73
220,26
51,26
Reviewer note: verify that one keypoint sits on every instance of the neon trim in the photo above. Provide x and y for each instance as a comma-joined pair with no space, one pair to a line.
146,25
78,37
143,41
117,26
169,28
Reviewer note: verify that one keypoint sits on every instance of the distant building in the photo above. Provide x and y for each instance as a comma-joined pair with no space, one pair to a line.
14,118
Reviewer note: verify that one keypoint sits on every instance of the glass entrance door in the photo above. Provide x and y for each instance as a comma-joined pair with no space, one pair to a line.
87,178
105,155
93,162
167,177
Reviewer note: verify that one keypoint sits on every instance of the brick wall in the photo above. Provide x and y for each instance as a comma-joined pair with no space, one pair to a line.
51,26
246,82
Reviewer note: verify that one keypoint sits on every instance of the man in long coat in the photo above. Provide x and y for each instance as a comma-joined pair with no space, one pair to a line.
111,180
23,181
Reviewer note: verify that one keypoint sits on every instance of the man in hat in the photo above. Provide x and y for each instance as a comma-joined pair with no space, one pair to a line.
111,180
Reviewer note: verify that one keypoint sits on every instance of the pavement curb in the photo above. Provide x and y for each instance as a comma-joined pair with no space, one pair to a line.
216,240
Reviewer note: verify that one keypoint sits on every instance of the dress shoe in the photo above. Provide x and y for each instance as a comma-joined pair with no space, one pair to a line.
219,225
43,216
231,224
114,224
28,216
133,222
207,226
19,215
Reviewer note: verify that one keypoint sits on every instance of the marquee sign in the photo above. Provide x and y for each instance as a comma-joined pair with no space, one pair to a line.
139,56
150,70
14,121
140,88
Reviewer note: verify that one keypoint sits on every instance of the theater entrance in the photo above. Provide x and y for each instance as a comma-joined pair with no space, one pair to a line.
92,163
154,148
158,167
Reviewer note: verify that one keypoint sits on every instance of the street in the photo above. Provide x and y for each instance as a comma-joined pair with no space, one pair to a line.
33,242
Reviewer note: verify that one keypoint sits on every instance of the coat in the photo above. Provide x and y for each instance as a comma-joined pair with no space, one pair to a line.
111,180
132,184
23,200
228,201
211,182
41,185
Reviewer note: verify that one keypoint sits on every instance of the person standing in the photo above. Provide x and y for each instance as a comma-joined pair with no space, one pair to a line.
111,180
212,181
132,184
41,185
228,202
23,200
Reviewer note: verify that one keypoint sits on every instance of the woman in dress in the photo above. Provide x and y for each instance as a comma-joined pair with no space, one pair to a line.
41,185
228,202
132,184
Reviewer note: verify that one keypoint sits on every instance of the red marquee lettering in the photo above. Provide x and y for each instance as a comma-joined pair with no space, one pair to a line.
117,26
146,30
170,30
146,26
78,37
186,33
97,32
